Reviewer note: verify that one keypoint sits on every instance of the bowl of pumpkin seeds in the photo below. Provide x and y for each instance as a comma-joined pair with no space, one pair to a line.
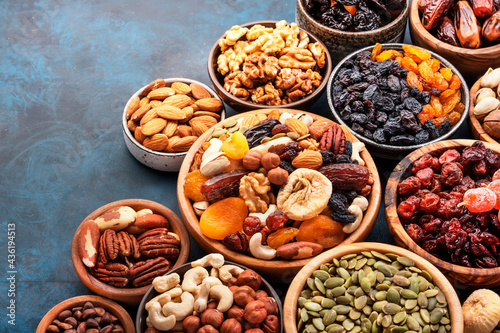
371,287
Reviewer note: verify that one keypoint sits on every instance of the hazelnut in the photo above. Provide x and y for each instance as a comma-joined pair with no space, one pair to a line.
254,330
251,160
212,317
270,161
249,278
208,329
255,312
231,325
491,124
271,324
277,176
270,305
191,324
235,312
243,295
261,293
212,305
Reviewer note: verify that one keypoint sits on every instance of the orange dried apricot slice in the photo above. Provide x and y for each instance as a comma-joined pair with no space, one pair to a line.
192,185
223,217
321,229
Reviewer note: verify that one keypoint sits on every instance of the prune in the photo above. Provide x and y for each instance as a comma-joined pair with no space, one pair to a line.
316,7
402,140
381,10
337,18
349,2
255,134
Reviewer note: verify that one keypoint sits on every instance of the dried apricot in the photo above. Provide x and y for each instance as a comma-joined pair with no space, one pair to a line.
281,236
322,230
236,146
192,185
223,217
419,52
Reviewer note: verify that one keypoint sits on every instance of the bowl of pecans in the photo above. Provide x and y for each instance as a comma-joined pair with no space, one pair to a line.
82,313
441,203
122,246
296,184
162,120
267,64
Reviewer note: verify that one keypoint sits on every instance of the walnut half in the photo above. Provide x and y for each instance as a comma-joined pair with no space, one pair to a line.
255,189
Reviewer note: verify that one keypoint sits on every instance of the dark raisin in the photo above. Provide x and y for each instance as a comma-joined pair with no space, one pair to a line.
393,83
379,136
431,128
348,148
359,118
422,136
402,140
413,105
444,128
328,156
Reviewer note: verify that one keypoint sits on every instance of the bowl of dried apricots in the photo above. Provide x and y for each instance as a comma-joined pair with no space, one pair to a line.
273,188
397,98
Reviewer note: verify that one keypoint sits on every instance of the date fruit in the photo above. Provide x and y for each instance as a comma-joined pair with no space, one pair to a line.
491,27
446,32
483,8
346,176
467,26
435,12
222,186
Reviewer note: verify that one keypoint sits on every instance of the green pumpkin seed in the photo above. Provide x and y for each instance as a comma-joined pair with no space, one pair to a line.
436,315
293,135
381,295
378,306
348,256
334,282
432,303
366,325
343,273
405,261
445,321
303,137
367,310
393,295
382,286
431,293
343,300
426,317
310,329
303,315
391,308
230,123
342,309
386,321
317,299
400,317
376,328
338,291
348,324
410,304
423,301
329,317
336,328
354,314
321,274
318,323
441,329
399,329
401,280
360,263
313,314
386,270
320,285
407,293
426,275
327,303
360,302
441,298
426,329
412,323
381,256
365,284
312,306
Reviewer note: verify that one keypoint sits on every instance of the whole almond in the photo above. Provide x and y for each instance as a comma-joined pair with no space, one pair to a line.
138,135
249,121
170,112
209,104
140,112
188,111
161,93
131,125
199,128
198,91
297,126
180,101
183,144
153,126
150,115
155,103
309,159
157,142
144,100
207,120
181,88
153,85
171,142
134,104
184,130
207,113
170,128
319,127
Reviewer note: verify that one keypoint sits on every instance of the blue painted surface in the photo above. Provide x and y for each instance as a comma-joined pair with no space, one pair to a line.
67,69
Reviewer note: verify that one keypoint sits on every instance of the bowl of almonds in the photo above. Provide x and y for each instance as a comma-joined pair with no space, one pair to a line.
122,246
164,118
274,188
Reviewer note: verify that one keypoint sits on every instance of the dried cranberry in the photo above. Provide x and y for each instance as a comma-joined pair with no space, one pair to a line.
237,241
430,246
452,174
429,202
451,155
475,152
479,168
426,161
276,220
252,225
409,207
425,176
433,226
415,232
280,128
409,186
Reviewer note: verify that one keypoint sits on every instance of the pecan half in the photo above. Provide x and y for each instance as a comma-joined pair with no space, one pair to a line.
333,139
158,242
112,273
146,271
108,246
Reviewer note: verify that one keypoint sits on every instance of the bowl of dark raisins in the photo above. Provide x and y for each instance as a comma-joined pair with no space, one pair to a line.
397,98
441,203
349,25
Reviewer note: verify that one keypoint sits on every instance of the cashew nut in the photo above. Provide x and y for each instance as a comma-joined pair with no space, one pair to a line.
263,216
193,277
200,304
167,296
166,282
226,272
180,310
258,250
224,295
357,147
212,281
213,259
157,319
351,227
361,201
214,272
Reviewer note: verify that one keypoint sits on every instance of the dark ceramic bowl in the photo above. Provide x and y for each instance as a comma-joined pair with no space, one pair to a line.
140,320
240,105
341,43
394,152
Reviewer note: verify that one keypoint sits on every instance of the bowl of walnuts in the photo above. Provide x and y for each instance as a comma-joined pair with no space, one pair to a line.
296,184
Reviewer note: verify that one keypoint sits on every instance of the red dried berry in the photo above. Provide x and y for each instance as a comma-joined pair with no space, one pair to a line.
252,225
276,220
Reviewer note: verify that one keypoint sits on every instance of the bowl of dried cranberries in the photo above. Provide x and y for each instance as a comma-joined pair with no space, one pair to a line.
442,203
397,98
274,188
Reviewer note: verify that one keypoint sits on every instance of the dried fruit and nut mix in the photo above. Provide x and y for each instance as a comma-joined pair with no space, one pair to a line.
354,15
487,102
279,185
85,318
449,205
397,97
374,292
170,118
270,66
128,248
470,24
212,297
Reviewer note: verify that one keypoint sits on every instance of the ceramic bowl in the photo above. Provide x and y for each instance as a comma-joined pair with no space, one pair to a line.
299,282
341,43
391,151
130,296
140,321
158,160
275,270
472,63
240,105
475,125
459,276
110,306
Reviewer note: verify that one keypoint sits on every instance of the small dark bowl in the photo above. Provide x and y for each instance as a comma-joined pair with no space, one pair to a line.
391,151
240,105
140,320
341,43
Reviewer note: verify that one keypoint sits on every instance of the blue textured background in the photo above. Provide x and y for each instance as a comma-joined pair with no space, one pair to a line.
67,69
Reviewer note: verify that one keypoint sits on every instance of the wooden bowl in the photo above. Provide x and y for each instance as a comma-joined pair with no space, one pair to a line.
342,43
130,296
274,270
140,320
112,307
298,283
459,276
476,127
388,151
471,63
240,105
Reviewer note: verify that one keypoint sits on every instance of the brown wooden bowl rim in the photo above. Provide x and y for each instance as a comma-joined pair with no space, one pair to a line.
297,285
111,306
128,295
214,76
402,16
416,25
192,221
477,126
392,219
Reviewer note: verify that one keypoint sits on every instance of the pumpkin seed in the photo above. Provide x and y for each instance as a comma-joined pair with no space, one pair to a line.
329,317
405,261
400,317
342,309
407,293
338,291
343,273
360,263
401,280
327,303
366,325
393,295
354,314
334,282
380,256
410,304
293,135
412,323
343,300
360,302
320,274
320,285
312,306
423,301
318,323
336,328
348,324
391,308
426,317
436,315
